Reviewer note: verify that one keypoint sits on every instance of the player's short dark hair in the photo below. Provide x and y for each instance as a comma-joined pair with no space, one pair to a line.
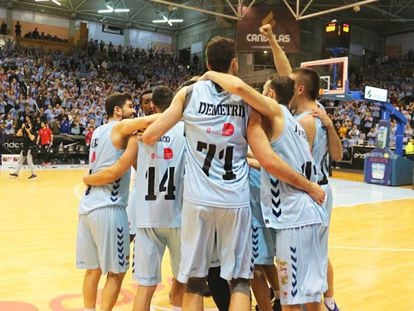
283,86
162,97
116,100
219,53
309,78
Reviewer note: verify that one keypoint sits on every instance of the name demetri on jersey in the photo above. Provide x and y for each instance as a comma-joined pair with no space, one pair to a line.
222,110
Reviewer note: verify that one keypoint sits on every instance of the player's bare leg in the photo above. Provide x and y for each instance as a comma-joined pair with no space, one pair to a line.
193,294
261,289
111,290
240,295
176,293
90,287
142,301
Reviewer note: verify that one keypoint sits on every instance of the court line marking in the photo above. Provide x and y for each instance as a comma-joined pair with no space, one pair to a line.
76,191
372,202
373,249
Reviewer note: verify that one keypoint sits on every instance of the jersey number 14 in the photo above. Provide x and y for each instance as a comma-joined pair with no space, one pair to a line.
166,184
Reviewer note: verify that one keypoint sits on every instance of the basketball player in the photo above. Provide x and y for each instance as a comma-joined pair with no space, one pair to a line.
102,239
159,203
298,220
145,109
319,128
216,187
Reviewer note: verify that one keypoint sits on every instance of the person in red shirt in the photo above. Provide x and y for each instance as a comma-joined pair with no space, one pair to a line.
88,136
45,141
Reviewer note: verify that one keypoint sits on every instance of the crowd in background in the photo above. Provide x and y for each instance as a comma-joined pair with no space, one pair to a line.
67,91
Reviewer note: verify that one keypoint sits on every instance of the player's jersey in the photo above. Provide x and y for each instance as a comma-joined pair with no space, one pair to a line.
284,206
257,216
320,150
159,180
216,171
103,154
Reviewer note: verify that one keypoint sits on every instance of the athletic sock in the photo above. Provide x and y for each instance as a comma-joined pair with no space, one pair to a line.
89,309
176,308
330,302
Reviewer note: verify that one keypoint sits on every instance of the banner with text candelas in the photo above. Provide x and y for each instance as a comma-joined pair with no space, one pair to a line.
285,28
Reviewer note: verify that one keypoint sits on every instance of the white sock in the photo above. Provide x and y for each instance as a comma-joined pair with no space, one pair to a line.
89,309
330,302
176,308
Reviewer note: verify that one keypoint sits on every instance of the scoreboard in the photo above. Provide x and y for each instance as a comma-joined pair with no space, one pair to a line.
337,35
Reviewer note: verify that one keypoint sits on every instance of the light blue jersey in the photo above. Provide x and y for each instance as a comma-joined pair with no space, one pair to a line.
101,155
216,171
320,150
159,181
284,206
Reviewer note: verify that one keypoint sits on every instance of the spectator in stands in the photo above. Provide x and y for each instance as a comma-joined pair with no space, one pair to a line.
65,125
354,135
372,135
343,131
18,29
3,28
35,34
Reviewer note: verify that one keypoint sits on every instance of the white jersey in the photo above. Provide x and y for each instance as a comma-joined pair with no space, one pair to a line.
159,181
320,149
101,155
216,171
284,206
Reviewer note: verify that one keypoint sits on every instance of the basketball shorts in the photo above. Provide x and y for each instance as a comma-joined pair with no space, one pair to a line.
200,225
149,248
302,264
103,240
263,240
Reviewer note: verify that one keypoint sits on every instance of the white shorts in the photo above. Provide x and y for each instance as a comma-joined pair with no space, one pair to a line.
199,227
302,264
264,251
103,240
149,249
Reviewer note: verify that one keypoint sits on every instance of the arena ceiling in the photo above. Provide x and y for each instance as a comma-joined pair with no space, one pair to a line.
383,16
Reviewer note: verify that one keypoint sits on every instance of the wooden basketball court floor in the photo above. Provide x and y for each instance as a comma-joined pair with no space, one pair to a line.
371,245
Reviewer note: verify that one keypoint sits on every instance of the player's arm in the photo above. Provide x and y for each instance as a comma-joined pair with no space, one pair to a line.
232,84
251,160
273,164
128,126
334,142
308,124
279,57
118,169
167,120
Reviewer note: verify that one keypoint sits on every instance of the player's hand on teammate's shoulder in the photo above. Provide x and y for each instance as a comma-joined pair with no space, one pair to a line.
323,116
317,193
266,30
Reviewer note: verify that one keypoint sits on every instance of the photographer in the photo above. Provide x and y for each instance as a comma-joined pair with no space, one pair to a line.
26,132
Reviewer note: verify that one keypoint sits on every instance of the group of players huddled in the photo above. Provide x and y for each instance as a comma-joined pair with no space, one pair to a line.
226,178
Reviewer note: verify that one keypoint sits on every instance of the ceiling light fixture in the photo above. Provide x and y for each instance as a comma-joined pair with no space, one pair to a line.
168,21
